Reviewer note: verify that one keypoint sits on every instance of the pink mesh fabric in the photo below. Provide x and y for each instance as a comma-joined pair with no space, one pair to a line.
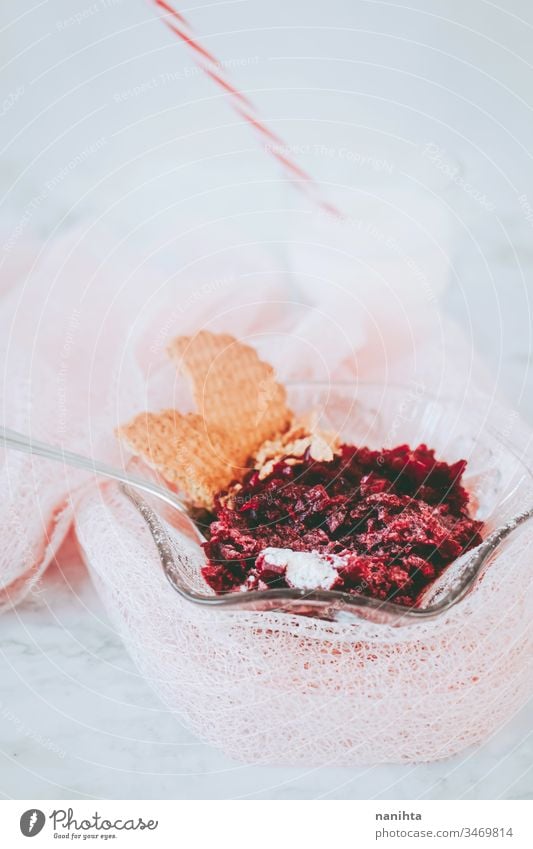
82,346
283,689
83,349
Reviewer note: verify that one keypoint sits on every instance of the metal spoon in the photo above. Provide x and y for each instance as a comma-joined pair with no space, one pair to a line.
28,445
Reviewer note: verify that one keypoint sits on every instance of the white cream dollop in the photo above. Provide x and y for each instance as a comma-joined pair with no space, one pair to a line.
304,570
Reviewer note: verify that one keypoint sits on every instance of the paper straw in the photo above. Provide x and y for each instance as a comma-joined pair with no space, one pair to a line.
242,105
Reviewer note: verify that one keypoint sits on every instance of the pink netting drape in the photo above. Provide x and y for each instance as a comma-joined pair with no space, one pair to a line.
83,349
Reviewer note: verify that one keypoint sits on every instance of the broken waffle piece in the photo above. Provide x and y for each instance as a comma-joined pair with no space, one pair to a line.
239,406
234,391
179,448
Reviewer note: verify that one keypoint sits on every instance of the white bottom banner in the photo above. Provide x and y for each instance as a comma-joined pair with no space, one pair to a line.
268,824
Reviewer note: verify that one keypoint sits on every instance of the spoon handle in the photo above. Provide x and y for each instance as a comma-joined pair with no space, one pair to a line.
28,445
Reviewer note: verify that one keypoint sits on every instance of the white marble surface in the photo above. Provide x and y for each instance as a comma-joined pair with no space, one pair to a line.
76,720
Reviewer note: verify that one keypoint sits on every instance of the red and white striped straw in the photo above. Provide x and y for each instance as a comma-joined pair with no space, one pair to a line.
240,103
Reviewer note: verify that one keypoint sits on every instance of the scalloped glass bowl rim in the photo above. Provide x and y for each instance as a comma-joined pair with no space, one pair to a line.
328,604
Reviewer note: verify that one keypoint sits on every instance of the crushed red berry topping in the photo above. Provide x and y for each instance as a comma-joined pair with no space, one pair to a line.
396,518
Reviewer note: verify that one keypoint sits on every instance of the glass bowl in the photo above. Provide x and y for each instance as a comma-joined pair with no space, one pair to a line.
376,416
346,685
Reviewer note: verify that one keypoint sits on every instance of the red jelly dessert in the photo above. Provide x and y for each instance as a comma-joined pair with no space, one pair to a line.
381,524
